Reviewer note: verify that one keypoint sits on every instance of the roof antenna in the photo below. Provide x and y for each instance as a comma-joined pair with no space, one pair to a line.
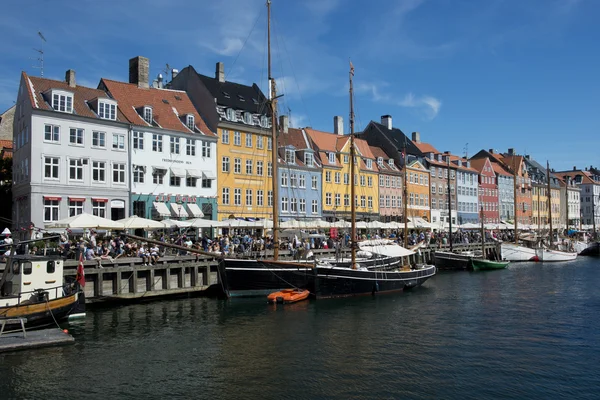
41,56
289,113
466,149
167,71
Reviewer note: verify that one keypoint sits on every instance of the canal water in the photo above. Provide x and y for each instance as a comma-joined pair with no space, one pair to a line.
531,331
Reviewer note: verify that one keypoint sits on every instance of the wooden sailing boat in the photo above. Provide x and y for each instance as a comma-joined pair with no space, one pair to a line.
484,264
386,276
327,278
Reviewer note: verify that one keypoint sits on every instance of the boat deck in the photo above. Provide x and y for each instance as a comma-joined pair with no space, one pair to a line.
34,339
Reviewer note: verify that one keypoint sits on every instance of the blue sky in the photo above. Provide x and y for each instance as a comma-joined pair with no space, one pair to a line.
493,73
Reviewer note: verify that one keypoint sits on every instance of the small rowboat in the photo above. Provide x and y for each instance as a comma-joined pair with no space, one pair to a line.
286,296
486,265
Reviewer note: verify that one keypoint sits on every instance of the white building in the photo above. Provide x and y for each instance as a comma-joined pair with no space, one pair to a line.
70,154
570,203
467,187
172,151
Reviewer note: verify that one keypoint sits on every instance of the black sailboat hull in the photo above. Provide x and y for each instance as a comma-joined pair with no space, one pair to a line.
249,278
451,261
333,282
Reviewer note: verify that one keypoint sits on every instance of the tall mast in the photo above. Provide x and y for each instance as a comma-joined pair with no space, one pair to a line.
515,199
567,203
594,209
482,233
449,205
274,147
352,156
405,196
549,201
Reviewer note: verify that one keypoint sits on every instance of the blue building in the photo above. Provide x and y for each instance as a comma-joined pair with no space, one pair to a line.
299,175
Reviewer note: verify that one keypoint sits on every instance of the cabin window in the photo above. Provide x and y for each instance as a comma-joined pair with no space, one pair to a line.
27,268
15,269
50,267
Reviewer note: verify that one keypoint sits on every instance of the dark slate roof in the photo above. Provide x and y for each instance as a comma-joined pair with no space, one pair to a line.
399,138
538,173
235,95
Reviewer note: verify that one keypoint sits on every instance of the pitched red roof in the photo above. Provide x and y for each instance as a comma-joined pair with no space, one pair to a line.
426,147
37,86
168,106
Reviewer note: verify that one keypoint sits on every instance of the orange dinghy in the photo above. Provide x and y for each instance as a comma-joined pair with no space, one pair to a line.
286,296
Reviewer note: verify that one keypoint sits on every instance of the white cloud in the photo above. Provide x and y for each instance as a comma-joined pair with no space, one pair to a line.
430,106
321,8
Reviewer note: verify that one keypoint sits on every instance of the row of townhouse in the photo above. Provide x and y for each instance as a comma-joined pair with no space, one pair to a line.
111,151
201,146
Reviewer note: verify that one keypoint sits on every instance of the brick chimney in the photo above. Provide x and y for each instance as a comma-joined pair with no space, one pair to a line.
284,123
139,69
387,121
491,151
416,137
70,78
220,72
511,151
338,125
574,168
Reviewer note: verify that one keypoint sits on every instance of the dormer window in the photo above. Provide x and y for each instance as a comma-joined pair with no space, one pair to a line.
290,156
391,162
148,114
331,158
264,121
107,110
308,159
231,114
379,160
189,121
62,101
369,164
248,118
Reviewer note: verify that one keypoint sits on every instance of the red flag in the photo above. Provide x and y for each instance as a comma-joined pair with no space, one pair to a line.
80,273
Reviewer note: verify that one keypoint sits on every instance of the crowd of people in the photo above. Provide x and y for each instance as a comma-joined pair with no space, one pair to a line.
91,247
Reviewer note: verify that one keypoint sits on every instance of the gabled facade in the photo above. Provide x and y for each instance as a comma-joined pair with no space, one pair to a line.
242,118
489,204
589,183
70,155
417,187
516,164
505,179
299,175
570,205
333,151
172,150
391,205
544,201
467,190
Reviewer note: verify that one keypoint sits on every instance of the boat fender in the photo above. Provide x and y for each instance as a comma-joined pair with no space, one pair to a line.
375,288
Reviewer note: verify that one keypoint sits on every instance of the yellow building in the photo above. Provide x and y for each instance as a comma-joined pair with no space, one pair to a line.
244,172
539,199
418,191
334,153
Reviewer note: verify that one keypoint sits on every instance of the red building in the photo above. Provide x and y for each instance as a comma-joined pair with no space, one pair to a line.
488,190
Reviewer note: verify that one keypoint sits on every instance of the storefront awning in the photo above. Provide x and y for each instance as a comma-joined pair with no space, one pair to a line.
158,168
195,210
161,209
209,175
194,173
180,172
76,198
99,200
179,210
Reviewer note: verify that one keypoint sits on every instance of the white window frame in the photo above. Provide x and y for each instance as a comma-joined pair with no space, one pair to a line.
225,136
248,140
249,197
331,158
225,164
190,147
249,167
157,142
119,170
206,151
308,159
51,207
237,197
76,136
259,168
107,110
99,139
99,208
118,141
138,174
314,207
190,122
75,207
237,138
99,171
237,165
225,196
77,165
175,143
315,182
148,115
62,101
138,140
51,165
52,135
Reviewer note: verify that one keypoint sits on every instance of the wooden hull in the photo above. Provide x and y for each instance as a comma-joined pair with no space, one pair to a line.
335,281
445,260
512,252
42,313
486,265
